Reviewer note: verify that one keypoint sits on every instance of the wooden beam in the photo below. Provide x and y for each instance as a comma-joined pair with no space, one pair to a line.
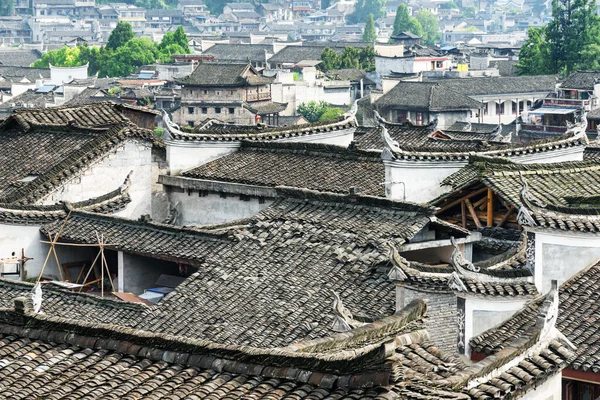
463,213
457,202
505,217
490,207
473,213
481,202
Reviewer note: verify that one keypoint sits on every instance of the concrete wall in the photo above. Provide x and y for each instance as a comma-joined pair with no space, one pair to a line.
560,255
441,310
109,174
197,208
417,181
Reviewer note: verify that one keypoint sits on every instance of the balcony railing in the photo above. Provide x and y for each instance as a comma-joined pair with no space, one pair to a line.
258,96
568,102
543,128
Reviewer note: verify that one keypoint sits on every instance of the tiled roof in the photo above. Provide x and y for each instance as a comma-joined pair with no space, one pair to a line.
222,74
414,138
577,320
78,359
41,214
564,194
16,74
269,280
36,161
500,85
505,275
581,80
96,115
240,52
214,131
64,303
295,54
313,166
425,96
19,58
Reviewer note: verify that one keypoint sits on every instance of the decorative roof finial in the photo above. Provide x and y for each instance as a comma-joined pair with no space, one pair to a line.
458,260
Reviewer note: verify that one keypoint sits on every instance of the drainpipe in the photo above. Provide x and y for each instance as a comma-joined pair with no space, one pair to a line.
361,88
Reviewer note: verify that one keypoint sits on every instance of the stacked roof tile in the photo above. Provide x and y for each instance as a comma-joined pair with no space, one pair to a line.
303,165
269,280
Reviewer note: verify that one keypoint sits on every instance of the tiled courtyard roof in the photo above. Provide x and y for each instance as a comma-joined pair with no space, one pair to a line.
303,165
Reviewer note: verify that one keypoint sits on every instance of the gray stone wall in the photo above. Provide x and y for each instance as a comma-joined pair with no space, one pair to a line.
441,312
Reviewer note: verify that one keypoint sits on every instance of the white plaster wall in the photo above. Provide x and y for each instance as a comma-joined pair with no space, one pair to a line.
109,174
421,179
342,137
560,255
574,153
183,155
296,93
549,390
13,238
483,314
213,209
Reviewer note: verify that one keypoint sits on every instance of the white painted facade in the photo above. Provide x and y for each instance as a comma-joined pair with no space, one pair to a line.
420,180
560,255
482,314
549,390
183,155
109,173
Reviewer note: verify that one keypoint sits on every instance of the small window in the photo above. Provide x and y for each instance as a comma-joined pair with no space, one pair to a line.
231,110
218,93
485,109
223,195
245,197
217,110
206,92
231,92
419,118
514,107
204,110
190,110
191,124
402,116
500,109
261,200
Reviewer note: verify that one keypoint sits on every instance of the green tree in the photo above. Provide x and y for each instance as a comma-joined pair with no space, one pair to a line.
178,37
7,7
534,56
134,54
405,23
325,4
431,29
363,8
330,59
369,34
469,12
569,42
312,110
331,114
122,34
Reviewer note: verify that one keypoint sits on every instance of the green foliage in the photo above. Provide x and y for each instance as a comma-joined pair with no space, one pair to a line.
216,6
114,90
534,56
158,132
369,34
178,38
331,114
7,7
312,110
325,4
431,29
351,57
569,42
134,54
405,23
122,60
450,5
363,8
469,12
122,34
